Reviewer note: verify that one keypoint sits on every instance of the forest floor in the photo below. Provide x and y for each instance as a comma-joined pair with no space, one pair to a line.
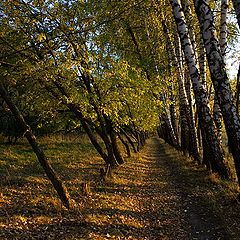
157,194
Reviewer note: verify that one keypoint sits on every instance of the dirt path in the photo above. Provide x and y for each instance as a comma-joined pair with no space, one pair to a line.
158,197
188,208
157,194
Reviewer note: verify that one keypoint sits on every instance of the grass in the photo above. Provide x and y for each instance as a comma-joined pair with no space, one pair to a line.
27,197
120,208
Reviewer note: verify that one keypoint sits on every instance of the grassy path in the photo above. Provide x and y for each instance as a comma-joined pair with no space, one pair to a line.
155,195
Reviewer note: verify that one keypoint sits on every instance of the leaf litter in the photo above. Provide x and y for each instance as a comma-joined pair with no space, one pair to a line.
157,194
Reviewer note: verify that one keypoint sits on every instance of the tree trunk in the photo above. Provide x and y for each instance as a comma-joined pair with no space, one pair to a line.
116,150
220,80
202,64
236,5
173,113
125,145
223,28
200,93
188,129
172,140
194,145
238,89
56,182
129,140
217,115
203,77
205,155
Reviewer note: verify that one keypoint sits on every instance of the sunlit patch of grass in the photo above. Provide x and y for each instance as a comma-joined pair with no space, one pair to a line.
45,202
214,178
14,158
5,200
72,157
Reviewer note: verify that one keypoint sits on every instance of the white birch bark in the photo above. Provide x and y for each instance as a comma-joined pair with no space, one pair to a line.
173,113
182,94
220,79
223,45
223,28
166,118
189,20
186,101
202,64
199,91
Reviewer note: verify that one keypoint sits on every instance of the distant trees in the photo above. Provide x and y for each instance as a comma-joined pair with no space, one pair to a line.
118,71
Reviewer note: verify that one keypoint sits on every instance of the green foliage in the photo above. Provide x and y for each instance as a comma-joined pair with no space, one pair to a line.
59,42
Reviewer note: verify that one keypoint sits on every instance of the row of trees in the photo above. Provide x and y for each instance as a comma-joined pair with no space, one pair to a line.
118,70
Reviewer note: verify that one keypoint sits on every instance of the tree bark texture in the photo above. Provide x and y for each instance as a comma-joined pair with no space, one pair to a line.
128,151
223,28
188,129
199,92
129,140
202,64
217,115
220,79
236,5
238,90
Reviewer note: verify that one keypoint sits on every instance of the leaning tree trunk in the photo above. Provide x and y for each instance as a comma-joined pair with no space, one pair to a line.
75,109
112,133
223,28
128,151
217,115
220,80
173,112
236,5
203,77
200,93
109,142
202,64
171,137
188,130
186,90
56,182
129,140
193,136
238,90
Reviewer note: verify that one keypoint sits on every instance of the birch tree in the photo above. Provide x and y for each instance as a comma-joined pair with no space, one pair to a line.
217,158
188,131
220,79
223,45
